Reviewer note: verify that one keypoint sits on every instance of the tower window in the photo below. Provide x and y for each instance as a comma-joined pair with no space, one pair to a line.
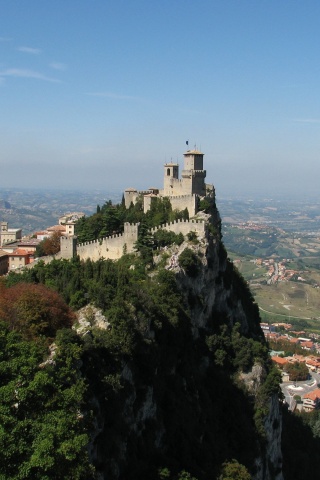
168,171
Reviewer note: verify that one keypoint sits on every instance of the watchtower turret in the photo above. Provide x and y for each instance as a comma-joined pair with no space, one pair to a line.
193,175
171,179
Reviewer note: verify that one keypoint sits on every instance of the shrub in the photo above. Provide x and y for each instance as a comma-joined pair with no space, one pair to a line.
189,261
192,237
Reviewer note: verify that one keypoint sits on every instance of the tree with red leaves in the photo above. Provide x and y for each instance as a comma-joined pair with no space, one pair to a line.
34,310
49,245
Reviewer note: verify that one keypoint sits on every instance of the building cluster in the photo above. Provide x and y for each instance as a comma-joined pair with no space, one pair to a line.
290,337
311,399
17,252
278,271
311,360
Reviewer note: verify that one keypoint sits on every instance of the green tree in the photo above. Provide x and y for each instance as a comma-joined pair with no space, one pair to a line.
43,433
234,471
297,371
190,262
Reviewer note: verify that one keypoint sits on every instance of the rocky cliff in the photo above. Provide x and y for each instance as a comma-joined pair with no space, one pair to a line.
197,390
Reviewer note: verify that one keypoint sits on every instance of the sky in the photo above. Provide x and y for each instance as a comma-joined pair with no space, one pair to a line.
99,94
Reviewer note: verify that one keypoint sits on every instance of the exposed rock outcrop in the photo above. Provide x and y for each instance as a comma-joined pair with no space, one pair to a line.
180,401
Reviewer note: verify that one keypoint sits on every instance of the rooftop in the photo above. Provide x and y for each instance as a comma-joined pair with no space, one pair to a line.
193,152
313,395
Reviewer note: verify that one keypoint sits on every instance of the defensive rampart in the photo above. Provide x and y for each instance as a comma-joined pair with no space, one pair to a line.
184,227
115,246
111,247
180,202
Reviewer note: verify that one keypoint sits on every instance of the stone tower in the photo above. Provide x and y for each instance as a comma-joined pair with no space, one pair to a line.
193,175
171,183
68,247
192,178
185,192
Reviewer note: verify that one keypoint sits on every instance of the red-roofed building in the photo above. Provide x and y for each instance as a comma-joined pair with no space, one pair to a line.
311,400
20,258
312,364
297,358
279,361
307,345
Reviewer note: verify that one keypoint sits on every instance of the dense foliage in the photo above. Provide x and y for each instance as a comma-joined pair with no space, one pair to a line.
33,310
49,245
167,360
297,371
145,395
43,430
109,218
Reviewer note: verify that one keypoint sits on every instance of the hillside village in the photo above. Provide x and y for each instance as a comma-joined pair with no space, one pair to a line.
17,251
285,341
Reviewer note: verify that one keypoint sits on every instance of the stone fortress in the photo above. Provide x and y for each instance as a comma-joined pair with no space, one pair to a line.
183,193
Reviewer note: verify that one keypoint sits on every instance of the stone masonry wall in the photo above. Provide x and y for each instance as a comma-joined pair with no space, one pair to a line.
114,247
184,201
184,227
110,247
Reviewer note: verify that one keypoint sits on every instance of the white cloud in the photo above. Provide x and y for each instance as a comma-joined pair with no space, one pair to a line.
113,96
58,66
33,51
21,73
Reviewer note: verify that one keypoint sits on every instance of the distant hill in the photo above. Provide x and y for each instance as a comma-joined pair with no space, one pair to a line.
34,210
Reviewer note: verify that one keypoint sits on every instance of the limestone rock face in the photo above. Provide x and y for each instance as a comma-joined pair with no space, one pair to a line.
152,398
270,464
90,316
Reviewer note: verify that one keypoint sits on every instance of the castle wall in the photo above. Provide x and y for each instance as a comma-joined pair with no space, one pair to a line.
185,201
199,186
173,186
184,227
115,246
130,196
111,247
68,247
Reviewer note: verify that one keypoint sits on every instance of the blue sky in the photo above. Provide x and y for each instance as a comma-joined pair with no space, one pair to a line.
100,94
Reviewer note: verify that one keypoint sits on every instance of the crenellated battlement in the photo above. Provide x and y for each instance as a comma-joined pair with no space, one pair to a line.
183,226
179,221
129,229
193,172
113,246
185,197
